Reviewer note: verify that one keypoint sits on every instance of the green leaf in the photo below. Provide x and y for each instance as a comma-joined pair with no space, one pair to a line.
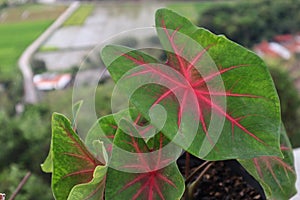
219,97
156,182
104,130
73,164
276,175
93,190
47,166
75,110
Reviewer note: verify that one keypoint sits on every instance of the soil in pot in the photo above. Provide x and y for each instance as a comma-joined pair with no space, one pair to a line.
224,180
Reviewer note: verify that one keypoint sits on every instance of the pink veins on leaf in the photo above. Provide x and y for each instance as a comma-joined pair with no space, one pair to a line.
79,152
193,82
152,181
269,162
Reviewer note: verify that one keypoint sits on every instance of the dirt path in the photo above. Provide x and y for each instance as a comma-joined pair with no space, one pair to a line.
30,95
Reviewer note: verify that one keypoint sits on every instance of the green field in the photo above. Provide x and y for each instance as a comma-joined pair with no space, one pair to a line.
15,37
19,30
80,15
30,12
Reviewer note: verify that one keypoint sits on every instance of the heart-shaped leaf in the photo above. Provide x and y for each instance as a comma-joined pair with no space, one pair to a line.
219,97
156,182
73,164
276,175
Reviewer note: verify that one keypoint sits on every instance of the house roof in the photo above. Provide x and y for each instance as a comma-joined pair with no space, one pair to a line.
51,81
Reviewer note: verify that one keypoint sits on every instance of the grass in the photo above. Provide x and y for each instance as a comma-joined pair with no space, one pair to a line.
48,48
15,37
17,32
30,12
80,15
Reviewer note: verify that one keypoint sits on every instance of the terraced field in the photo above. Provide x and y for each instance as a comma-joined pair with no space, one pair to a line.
19,27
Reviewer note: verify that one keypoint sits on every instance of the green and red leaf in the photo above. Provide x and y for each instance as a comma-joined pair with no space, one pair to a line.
156,181
276,175
93,190
220,100
73,164
104,130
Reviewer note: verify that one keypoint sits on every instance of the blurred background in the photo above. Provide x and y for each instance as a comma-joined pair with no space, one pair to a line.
27,99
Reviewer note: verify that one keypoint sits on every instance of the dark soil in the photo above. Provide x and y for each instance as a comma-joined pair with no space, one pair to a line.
224,180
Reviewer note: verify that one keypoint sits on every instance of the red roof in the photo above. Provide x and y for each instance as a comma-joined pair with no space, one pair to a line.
284,38
264,48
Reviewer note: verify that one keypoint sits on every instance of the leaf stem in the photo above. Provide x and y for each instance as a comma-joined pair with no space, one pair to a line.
194,185
187,164
195,171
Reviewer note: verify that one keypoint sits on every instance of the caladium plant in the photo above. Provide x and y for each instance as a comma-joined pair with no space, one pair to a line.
211,98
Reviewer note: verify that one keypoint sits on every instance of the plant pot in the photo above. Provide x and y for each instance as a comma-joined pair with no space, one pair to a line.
226,180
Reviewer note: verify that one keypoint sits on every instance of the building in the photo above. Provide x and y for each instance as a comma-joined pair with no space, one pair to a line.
282,46
51,81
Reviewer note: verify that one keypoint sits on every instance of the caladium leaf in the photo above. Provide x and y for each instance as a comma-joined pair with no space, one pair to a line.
106,128
220,100
251,111
47,166
276,175
73,164
93,190
156,182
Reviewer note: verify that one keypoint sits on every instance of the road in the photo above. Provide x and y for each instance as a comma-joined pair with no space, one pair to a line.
30,95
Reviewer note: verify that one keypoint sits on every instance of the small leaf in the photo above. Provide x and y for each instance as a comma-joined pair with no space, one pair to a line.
155,183
93,190
47,166
73,164
276,175
104,130
106,127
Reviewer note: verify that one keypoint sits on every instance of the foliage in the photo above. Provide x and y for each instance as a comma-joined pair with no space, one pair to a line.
191,10
24,141
212,98
38,66
10,94
102,99
23,136
290,103
249,23
272,171
80,15
35,188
